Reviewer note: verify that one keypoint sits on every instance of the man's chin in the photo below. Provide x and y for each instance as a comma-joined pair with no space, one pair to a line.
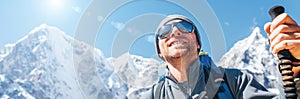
179,53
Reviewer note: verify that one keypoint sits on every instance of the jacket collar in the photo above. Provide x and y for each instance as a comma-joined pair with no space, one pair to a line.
195,75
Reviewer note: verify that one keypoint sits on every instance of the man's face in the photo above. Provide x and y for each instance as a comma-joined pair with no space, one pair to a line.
178,44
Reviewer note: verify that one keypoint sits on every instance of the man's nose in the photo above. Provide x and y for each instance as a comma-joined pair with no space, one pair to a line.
175,31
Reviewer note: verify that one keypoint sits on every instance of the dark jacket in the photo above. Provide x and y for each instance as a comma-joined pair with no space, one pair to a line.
205,80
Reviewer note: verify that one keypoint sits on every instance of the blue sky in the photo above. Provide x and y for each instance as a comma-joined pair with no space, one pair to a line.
128,26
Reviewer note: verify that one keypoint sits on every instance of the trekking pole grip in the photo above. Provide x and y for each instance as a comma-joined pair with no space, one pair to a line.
286,62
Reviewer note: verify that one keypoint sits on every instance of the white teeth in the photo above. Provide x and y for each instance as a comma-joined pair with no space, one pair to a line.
176,43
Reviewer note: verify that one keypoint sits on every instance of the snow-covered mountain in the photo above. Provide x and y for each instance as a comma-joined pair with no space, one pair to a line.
136,73
47,63
252,55
37,66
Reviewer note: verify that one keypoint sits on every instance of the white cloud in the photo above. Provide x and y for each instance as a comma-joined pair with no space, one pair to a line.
132,31
88,13
150,38
262,10
100,18
254,24
118,25
76,9
227,23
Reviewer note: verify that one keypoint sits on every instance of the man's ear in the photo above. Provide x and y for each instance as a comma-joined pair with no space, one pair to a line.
198,46
160,55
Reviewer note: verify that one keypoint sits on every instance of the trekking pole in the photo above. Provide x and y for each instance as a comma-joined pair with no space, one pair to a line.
286,63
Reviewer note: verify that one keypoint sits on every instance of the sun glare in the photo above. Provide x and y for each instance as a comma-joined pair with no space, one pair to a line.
56,3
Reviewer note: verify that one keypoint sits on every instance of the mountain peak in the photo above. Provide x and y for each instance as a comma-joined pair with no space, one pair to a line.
47,63
252,55
254,39
37,36
256,34
44,33
254,44
41,27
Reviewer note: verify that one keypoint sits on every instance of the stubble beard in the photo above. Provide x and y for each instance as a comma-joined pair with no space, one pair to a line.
179,53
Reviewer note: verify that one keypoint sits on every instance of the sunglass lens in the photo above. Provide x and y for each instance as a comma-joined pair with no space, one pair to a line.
185,27
164,31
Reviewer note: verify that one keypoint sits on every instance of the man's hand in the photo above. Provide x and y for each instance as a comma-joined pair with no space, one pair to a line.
284,33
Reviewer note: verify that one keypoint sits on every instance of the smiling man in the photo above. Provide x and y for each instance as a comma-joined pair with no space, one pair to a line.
190,76
179,50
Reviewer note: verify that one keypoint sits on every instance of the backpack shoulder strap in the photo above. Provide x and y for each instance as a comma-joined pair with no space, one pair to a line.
156,88
219,81
230,76
225,89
